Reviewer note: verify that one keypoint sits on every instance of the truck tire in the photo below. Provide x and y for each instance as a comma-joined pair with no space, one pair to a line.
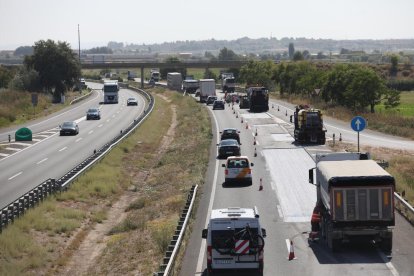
386,245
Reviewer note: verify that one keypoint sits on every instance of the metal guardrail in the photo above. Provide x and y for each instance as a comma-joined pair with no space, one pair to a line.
172,250
30,199
405,209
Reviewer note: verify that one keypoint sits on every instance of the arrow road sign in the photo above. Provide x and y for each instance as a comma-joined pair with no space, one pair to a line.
358,123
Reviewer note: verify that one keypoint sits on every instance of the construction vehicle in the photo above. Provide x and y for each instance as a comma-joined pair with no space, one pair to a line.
308,125
355,196
207,88
174,81
258,98
190,85
227,82
244,102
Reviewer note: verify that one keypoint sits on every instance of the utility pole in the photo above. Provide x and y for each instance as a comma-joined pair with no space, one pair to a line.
79,44
80,65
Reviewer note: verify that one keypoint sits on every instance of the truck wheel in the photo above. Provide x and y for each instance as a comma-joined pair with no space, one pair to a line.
386,245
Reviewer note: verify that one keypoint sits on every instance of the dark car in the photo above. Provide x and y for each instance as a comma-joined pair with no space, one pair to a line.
230,133
211,99
93,114
132,101
228,147
69,128
219,104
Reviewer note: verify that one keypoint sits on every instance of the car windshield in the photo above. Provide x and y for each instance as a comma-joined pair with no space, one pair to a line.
230,142
238,163
92,110
68,124
131,99
229,131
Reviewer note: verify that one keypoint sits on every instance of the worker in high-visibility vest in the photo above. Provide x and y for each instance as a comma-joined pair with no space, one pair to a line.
315,221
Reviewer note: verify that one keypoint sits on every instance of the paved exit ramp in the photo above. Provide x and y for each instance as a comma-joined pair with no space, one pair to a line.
289,172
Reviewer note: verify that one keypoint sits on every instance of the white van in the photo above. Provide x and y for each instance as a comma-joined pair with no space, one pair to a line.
238,169
234,240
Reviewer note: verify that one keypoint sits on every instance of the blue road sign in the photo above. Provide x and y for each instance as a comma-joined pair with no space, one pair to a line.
358,123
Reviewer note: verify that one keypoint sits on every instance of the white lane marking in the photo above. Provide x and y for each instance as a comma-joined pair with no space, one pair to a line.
62,149
13,149
3,154
210,206
41,161
40,135
77,140
388,263
100,125
90,132
36,140
107,120
21,144
113,116
279,210
16,175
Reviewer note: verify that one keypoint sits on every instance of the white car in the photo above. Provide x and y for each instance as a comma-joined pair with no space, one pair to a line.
234,240
238,169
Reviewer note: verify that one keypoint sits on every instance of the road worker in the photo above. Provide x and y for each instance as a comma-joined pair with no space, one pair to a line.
315,220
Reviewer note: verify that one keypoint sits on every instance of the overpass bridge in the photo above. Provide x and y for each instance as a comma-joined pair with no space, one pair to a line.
155,64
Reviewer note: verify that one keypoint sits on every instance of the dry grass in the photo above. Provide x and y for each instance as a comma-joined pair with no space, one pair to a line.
16,107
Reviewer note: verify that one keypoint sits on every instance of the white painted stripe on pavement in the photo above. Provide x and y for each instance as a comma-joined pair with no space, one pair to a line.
77,140
13,149
36,140
388,263
62,149
41,161
40,135
4,154
279,210
16,175
21,144
210,206
90,132
100,125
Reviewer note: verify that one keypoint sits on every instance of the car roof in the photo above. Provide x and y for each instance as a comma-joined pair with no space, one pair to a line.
238,157
230,212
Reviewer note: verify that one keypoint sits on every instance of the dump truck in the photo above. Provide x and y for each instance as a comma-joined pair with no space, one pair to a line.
309,126
227,82
207,88
355,196
258,98
190,85
174,81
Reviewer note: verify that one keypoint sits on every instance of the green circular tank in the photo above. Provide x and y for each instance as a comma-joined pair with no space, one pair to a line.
23,134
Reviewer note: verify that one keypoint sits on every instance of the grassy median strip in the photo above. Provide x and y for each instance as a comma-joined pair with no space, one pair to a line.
155,168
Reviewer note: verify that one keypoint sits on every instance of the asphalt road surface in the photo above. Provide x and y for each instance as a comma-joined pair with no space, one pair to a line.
286,202
51,156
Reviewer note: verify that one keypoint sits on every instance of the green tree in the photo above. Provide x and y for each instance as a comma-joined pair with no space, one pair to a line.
6,75
57,65
227,54
297,56
257,73
291,50
175,67
394,65
208,74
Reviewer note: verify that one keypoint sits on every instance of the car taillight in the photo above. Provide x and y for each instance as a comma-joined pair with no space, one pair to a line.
226,171
209,252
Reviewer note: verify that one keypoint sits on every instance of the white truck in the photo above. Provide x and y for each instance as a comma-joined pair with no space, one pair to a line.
234,240
111,89
155,75
174,81
356,200
207,88
228,83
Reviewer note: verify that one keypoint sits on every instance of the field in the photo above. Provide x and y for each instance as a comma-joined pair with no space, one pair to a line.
16,107
406,108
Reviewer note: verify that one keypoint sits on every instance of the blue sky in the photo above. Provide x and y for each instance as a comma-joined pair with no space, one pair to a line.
23,22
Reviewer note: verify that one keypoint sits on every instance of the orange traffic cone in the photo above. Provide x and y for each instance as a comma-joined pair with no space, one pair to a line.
255,152
291,252
247,126
278,108
254,140
261,185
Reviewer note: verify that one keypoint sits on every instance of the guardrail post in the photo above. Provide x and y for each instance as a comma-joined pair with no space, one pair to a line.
16,209
10,213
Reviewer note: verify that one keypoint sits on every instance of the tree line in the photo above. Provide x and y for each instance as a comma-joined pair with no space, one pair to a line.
356,87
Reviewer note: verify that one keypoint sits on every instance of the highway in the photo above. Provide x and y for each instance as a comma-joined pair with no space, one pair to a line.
286,202
51,156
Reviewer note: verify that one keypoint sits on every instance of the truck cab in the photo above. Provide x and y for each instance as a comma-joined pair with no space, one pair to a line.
234,240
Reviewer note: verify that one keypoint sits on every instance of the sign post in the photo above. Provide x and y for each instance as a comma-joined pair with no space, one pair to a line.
358,124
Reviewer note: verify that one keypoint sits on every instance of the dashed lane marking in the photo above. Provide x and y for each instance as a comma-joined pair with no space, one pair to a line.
62,149
16,175
41,161
90,132
100,125
77,140
13,149
4,154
